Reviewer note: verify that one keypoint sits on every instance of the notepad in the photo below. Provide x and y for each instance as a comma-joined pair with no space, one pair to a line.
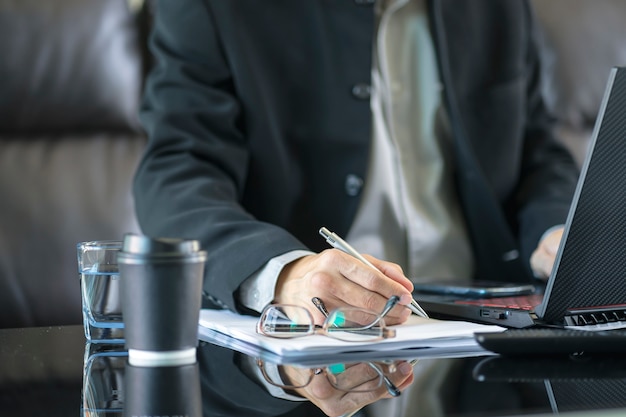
418,337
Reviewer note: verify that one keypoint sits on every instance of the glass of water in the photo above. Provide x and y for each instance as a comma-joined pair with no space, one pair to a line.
100,291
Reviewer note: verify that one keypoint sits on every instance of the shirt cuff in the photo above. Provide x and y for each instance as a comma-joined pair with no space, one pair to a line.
257,291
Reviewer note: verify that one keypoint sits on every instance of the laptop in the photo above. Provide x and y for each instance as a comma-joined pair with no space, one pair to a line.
587,287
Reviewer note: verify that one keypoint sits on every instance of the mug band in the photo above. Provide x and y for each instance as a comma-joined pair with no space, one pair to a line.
161,358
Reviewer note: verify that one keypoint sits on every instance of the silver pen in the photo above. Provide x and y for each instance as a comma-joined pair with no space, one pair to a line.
338,243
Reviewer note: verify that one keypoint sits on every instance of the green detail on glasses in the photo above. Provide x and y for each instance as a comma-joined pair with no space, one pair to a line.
339,319
336,368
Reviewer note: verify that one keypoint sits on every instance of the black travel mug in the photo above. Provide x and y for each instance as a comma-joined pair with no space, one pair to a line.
162,391
161,282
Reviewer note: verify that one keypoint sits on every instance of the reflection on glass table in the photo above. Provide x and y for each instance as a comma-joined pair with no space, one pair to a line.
571,382
112,387
349,377
163,391
103,380
340,388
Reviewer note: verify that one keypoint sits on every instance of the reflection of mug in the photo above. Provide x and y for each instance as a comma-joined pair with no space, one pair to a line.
161,281
163,391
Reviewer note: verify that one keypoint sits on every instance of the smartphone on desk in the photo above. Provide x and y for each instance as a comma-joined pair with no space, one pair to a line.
475,289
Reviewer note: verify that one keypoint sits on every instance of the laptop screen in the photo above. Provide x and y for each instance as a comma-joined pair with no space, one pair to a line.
591,264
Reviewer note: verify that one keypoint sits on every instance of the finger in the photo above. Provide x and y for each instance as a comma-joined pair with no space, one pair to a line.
543,258
541,263
403,384
369,376
371,279
391,270
293,376
356,377
401,378
550,244
340,280
346,292
359,384
330,400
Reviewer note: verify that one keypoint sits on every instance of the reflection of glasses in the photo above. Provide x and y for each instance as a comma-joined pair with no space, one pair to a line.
346,323
352,377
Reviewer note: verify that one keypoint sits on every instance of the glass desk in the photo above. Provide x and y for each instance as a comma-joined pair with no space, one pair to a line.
42,373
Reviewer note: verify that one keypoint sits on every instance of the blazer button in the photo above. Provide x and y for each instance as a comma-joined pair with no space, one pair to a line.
353,185
361,91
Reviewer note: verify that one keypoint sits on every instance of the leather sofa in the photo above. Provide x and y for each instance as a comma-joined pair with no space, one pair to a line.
71,73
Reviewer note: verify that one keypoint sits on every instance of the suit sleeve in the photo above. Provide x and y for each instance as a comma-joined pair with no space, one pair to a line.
191,178
549,173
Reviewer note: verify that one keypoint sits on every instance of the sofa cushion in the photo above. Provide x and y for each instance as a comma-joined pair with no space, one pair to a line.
68,65
56,193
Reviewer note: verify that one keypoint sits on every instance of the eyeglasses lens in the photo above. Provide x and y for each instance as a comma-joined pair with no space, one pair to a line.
286,321
354,325
357,377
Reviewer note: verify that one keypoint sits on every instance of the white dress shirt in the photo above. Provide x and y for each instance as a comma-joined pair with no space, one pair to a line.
409,213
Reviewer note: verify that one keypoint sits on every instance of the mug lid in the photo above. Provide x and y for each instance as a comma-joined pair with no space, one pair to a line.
144,245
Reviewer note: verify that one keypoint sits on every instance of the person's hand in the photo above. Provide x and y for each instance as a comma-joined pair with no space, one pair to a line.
335,402
341,280
542,259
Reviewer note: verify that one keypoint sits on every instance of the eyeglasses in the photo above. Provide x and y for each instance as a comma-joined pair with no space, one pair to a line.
348,377
349,324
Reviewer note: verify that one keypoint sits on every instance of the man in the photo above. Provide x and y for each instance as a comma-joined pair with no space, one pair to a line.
414,128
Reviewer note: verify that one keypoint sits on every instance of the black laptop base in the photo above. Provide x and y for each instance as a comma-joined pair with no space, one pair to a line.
553,341
505,317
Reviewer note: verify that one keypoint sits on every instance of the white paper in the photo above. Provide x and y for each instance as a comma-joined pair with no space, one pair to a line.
239,332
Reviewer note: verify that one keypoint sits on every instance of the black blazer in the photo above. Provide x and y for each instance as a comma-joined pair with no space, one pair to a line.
259,120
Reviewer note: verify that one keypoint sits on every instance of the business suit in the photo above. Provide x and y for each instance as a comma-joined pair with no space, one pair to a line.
259,122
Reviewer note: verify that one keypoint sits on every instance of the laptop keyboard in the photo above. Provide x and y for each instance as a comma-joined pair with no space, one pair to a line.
521,302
